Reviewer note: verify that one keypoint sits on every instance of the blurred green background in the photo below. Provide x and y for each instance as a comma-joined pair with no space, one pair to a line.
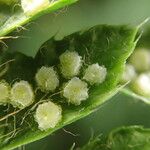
121,109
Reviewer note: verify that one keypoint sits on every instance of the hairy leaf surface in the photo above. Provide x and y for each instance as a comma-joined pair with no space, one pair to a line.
107,45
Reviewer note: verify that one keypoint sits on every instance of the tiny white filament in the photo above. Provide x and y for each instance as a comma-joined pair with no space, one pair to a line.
70,64
95,74
48,115
75,91
21,94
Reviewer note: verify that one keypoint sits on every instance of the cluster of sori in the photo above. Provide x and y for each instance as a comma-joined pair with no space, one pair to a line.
137,71
20,95
74,90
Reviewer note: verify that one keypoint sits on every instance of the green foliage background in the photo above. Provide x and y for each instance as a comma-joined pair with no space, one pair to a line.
121,109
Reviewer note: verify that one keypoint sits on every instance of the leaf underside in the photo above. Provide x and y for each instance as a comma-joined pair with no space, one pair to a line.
107,45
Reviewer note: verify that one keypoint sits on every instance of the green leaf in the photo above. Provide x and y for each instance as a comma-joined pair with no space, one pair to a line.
107,45
124,138
75,19
12,16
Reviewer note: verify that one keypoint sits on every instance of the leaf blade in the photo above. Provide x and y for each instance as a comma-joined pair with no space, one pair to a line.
112,55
